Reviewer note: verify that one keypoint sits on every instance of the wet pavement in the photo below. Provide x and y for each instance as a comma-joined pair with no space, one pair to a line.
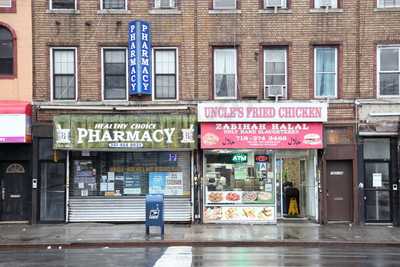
200,256
297,233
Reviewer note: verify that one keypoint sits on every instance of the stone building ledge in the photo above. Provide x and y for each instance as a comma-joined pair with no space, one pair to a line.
63,11
326,10
158,11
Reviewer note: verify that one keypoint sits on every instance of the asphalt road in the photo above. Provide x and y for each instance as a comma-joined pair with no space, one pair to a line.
208,257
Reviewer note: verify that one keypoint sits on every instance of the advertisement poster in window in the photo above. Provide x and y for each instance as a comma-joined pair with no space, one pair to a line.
168,183
157,182
133,183
174,184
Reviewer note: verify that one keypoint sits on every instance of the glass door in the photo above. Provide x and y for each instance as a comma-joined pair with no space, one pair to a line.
377,180
377,192
279,189
52,191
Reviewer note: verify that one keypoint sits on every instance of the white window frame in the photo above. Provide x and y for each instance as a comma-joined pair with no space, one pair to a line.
153,82
218,8
102,4
236,73
378,4
336,74
159,7
52,73
334,5
286,68
51,6
9,6
378,69
126,74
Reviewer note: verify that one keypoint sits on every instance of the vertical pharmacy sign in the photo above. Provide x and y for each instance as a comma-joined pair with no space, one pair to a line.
139,42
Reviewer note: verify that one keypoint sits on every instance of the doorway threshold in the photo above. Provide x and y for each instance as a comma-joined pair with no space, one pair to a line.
378,224
302,220
14,222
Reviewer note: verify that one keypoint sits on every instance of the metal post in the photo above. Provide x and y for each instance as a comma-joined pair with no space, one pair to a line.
67,189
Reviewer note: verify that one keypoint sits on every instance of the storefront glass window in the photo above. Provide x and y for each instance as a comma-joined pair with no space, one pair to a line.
377,148
114,174
239,176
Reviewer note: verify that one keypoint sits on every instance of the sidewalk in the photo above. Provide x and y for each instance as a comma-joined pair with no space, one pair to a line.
74,235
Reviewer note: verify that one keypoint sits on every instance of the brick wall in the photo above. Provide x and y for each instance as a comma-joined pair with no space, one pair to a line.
197,29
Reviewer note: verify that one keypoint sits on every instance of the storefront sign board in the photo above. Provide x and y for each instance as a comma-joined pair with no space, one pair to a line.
139,43
261,135
125,132
262,112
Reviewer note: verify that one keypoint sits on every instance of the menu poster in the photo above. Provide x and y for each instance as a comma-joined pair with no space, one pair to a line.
111,176
240,214
157,182
133,183
174,184
240,172
119,181
110,187
103,187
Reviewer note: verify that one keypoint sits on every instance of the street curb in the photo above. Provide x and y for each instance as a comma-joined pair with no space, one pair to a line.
224,243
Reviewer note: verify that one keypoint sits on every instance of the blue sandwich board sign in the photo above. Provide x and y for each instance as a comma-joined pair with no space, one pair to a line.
139,42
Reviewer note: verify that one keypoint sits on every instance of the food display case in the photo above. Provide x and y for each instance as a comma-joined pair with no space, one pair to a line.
239,187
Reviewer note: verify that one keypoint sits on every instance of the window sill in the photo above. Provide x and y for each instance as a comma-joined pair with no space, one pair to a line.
165,100
387,9
159,11
8,9
326,10
272,11
8,77
60,101
113,11
224,11
63,11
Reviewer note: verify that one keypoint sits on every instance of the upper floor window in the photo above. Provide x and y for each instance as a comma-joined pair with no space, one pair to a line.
225,73
7,64
388,3
63,73
165,74
275,4
114,78
325,71
6,3
113,4
325,3
63,4
275,72
164,4
224,4
388,70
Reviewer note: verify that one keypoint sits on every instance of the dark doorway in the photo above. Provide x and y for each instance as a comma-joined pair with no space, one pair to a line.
52,191
339,190
15,186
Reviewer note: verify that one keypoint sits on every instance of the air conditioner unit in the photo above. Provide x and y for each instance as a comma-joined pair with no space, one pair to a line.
275,90
274,3
325,3
165,3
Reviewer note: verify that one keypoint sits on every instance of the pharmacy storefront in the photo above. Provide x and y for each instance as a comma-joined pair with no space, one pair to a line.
113,161
260,160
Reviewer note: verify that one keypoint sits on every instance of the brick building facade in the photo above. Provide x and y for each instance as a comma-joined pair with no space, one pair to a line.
199,31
